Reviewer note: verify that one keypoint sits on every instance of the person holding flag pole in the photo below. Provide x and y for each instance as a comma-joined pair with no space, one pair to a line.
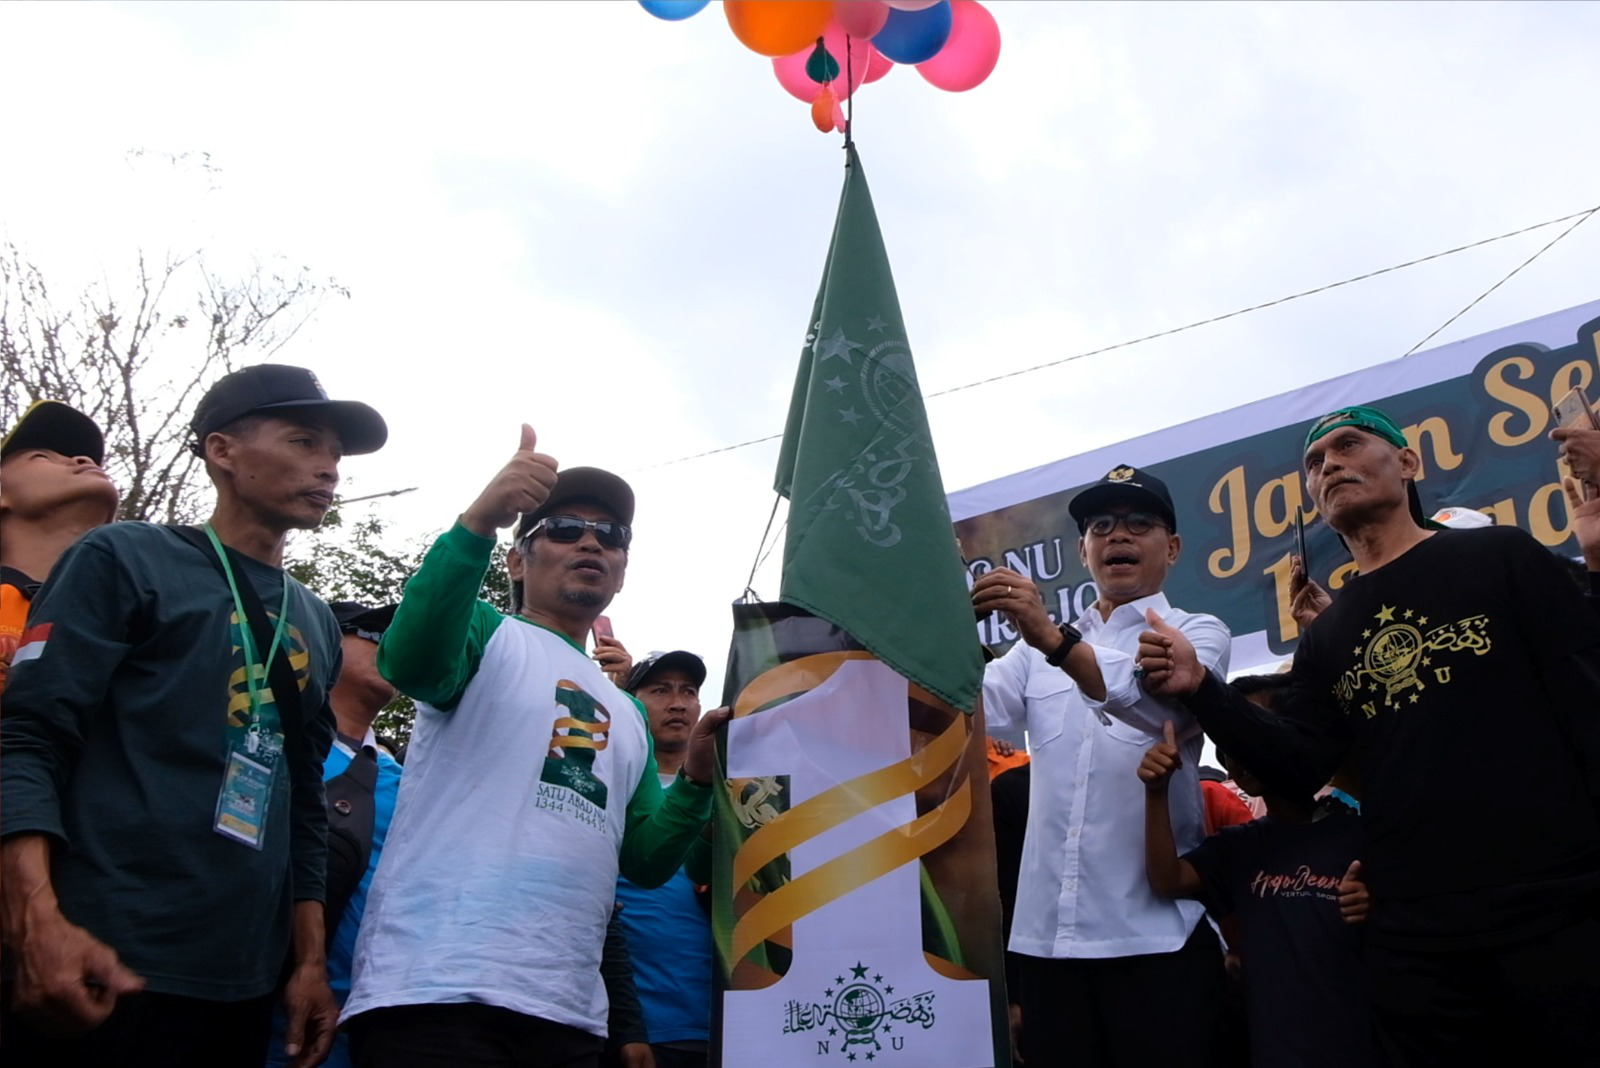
1099,948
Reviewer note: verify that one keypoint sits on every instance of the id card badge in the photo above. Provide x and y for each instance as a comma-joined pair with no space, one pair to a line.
246,795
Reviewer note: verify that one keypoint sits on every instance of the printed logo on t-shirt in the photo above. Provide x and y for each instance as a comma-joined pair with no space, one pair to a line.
261,735
1302,882
568,782
1400,659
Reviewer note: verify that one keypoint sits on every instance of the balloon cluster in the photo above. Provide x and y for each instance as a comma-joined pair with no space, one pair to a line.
824,50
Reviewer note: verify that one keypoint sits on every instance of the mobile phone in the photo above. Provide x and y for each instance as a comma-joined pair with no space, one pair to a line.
1300,541
602,627
1574,411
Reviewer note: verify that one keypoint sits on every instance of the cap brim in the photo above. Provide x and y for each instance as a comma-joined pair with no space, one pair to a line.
677,660
588,484
361,429
58,427
1096,498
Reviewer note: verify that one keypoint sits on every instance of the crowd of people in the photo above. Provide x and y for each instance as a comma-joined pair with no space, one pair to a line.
210,859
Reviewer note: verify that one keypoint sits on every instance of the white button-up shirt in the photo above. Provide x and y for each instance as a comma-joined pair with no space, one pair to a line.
1082,890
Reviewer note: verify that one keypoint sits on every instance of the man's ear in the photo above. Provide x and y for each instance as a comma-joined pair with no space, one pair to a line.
1083,551
514,564
1410,463
1174,547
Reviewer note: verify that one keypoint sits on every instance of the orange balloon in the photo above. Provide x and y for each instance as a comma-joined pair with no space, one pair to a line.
777,27
822,109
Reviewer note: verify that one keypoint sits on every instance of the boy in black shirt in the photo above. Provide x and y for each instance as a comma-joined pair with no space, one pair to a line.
1448,649
1289,878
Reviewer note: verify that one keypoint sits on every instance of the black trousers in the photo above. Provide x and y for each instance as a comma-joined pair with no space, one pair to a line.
150,1031
1124,1012
467,1035
1536,1002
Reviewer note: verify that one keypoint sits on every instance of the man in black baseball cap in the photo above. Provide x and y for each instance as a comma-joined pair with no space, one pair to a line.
1096,946
247,656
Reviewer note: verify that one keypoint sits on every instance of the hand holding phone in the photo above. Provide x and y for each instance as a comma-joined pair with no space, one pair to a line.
1574,412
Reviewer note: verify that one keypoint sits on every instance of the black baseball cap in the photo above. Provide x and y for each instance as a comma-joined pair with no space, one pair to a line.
49,424
678,659
1124,485
356,618
272,388
584,484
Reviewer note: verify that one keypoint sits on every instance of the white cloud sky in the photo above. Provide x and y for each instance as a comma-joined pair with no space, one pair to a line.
612,227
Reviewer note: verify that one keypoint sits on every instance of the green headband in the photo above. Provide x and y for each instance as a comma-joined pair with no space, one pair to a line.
1362,418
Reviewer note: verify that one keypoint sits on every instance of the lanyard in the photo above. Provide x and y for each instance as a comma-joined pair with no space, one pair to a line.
254,669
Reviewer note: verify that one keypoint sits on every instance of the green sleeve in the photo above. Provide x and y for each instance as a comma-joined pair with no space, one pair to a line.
435,643
662,824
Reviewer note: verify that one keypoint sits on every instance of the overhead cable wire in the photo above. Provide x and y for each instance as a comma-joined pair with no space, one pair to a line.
1580,216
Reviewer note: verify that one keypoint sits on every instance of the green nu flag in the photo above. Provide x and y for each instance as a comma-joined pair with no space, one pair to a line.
870,546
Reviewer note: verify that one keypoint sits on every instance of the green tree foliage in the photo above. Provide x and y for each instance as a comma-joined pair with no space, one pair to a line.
347,559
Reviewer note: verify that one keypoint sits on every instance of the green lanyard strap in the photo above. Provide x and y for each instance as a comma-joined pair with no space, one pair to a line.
254,668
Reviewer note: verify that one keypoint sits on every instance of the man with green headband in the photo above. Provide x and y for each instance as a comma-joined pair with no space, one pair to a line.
1449,650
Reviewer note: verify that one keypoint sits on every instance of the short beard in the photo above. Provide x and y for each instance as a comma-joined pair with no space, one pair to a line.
583,598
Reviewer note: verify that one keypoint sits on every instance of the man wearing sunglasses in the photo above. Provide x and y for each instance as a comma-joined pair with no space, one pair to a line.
1099,950
530,783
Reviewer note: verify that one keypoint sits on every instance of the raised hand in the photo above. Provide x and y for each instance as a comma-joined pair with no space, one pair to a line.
1307,599
1585,522
522,485
1161,760
1353,897
1167,658
699,763
1013,593
613,658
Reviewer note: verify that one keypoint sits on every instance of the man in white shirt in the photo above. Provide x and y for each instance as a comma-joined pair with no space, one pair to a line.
1100,950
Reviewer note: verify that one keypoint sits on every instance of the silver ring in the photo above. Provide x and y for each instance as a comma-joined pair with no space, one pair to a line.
1138,671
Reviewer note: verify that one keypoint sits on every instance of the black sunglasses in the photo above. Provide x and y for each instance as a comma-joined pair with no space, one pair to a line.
569,529
1137,523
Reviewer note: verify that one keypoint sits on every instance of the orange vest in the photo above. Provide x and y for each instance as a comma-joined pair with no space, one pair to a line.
13,617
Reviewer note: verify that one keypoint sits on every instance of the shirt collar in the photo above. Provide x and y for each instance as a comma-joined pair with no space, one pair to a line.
1124,615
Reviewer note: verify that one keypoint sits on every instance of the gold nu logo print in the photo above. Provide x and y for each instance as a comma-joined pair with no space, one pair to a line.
1397,662
574,740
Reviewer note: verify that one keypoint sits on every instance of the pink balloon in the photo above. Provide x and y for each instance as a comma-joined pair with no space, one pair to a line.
880,65
791,69
911,5
972,51
861,18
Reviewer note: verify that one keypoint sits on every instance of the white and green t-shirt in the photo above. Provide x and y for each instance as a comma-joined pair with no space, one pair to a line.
530,781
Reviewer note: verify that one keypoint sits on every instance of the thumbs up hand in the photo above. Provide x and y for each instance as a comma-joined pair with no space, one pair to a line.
1353,897
522,485
1161,760
1166,660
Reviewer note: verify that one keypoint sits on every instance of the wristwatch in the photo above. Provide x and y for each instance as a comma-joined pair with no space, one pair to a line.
1069,638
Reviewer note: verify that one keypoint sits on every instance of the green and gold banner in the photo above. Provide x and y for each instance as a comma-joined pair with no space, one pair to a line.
855,904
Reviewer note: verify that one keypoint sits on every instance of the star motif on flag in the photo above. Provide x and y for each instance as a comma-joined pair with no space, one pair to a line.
851,416
859,971
1386,615
875,323
1408,613
1366,633
838,345
835,384
1422,621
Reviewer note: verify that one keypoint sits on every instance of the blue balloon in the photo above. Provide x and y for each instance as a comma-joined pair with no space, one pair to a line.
913,36
673,10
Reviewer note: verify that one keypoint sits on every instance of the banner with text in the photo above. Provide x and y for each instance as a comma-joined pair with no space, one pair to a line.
853,889
1477,411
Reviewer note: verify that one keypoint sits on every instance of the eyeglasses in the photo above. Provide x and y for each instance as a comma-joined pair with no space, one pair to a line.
569,529
1137,523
